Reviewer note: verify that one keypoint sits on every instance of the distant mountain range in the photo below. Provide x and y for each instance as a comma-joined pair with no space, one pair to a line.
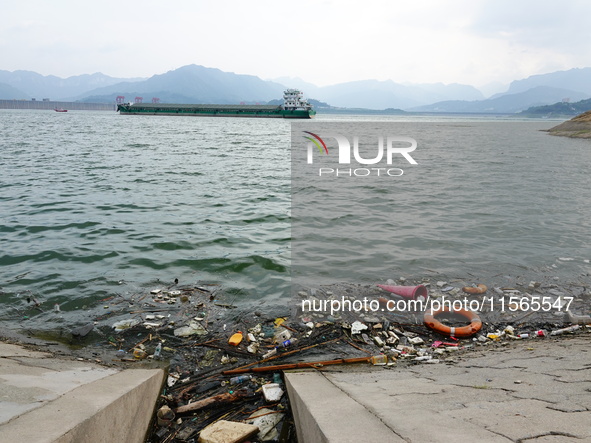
508,103
374,94
27,85
198,84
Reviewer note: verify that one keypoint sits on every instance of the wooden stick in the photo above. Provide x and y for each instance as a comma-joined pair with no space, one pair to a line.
298,365
357,347
287,327
266,413
210,401
285,354
148,338
205,343
264,407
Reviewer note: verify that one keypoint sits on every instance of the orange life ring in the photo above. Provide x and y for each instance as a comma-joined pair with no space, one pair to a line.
465,331
479,289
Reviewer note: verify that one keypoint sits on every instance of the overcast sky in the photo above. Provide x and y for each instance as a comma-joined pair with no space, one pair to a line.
322,42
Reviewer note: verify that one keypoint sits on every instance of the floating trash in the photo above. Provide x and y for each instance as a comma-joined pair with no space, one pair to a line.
217,372
272,392
235,339
194,328
125,324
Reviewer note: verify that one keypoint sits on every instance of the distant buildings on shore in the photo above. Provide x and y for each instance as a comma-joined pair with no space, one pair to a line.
49,104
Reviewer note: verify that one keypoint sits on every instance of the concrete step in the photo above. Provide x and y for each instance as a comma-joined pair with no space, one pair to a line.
43,399
326,414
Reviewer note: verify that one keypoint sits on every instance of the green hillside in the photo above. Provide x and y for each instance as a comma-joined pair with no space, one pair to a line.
559,109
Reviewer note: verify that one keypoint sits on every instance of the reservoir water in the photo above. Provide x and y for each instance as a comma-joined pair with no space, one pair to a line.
95,205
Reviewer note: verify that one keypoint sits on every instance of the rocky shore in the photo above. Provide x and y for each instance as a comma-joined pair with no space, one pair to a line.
576,127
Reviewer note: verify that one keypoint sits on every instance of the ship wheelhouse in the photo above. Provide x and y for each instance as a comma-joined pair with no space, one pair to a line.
294,99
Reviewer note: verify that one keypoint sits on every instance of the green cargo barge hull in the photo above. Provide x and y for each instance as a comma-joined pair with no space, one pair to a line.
258,111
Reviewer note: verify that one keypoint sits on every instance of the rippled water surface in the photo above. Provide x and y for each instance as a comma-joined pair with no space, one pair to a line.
487,199
94,204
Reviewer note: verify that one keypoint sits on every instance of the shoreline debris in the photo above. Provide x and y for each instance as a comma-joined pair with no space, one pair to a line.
226,362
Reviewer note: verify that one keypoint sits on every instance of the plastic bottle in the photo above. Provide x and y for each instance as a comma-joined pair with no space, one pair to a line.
158,350
240,379
287,343
379,359
235,339
282,335
541,333
565,330
270,354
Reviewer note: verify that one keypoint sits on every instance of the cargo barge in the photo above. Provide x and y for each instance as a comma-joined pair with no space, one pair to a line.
294,106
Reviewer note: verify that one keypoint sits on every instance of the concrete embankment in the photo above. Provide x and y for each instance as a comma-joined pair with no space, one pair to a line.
49,399
534,390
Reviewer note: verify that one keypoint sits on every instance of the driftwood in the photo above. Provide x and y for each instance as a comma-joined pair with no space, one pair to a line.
212,401
285,354
313,364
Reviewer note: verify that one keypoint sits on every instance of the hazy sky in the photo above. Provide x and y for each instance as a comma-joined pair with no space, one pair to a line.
473,42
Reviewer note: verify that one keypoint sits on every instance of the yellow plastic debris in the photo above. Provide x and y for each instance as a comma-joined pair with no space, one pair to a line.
235,339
